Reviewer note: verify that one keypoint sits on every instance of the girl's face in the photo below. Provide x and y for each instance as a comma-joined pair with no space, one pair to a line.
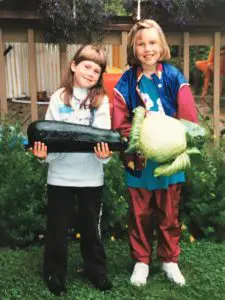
86,74
148,48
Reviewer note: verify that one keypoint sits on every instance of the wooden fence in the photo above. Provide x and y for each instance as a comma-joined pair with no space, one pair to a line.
32,66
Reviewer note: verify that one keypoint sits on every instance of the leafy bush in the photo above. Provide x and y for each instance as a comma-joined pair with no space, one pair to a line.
22,191
204,195
63,22
115,198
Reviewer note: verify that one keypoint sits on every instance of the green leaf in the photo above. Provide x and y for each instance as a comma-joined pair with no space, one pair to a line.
193,129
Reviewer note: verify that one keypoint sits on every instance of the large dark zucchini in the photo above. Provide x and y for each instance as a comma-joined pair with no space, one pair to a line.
68,137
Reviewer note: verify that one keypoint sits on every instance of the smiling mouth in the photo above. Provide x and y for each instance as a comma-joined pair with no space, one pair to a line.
87,79
148,56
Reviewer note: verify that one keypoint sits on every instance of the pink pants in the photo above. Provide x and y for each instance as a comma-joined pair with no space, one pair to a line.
164,206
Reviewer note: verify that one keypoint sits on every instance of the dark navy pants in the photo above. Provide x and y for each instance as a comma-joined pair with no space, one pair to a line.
61,201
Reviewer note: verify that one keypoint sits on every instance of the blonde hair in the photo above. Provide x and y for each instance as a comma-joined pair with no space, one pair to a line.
145,24
96,93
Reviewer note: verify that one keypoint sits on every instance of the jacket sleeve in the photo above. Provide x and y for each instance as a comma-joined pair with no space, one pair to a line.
186,104
102,120
121,122
102,115
53,107
53,114
120,116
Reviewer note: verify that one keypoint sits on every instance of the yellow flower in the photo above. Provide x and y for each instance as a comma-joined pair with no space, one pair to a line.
183,227
191,239
78,236
112,238
126,226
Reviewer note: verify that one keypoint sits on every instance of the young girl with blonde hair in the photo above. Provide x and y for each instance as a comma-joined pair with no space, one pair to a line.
161,88
80,100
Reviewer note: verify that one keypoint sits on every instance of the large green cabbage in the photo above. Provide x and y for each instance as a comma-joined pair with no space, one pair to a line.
163,139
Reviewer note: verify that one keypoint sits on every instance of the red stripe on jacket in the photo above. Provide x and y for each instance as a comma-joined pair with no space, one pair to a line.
186,107
120,116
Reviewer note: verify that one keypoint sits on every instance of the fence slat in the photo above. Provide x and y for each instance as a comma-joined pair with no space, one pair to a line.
186,55
3,98
32,74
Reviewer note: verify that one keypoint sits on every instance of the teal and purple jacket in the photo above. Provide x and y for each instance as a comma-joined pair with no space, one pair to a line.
176,98
174,92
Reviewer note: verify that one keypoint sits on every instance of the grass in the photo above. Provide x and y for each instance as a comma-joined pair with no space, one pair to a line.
203,264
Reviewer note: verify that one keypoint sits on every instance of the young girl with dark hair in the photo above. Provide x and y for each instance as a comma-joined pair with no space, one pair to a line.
80,100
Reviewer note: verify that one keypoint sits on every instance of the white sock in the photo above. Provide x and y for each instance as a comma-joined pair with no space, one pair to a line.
173,273
140,274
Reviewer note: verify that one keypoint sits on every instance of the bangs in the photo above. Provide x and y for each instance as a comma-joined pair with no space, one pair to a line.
93,54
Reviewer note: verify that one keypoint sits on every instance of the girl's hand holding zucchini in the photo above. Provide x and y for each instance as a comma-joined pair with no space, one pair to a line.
102,150
39,150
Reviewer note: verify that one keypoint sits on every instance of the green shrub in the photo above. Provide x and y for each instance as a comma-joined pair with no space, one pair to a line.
115,199
204,197
22,192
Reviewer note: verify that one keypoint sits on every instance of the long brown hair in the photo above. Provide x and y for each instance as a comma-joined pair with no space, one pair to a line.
96,93
143,24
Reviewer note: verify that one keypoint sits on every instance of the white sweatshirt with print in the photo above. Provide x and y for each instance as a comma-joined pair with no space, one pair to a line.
76,169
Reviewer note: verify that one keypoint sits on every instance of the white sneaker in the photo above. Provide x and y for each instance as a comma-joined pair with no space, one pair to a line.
140,274
173,273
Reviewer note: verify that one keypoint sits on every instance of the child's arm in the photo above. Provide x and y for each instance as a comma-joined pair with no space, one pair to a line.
186,104
53,108
121,116
53,114
102,120
102,115
121,122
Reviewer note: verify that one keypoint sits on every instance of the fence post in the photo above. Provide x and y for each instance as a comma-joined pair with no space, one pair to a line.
32,74
3,96
123,50
216,86
186,55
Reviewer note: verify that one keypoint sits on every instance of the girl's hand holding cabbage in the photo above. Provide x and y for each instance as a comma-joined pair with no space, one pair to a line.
164,139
